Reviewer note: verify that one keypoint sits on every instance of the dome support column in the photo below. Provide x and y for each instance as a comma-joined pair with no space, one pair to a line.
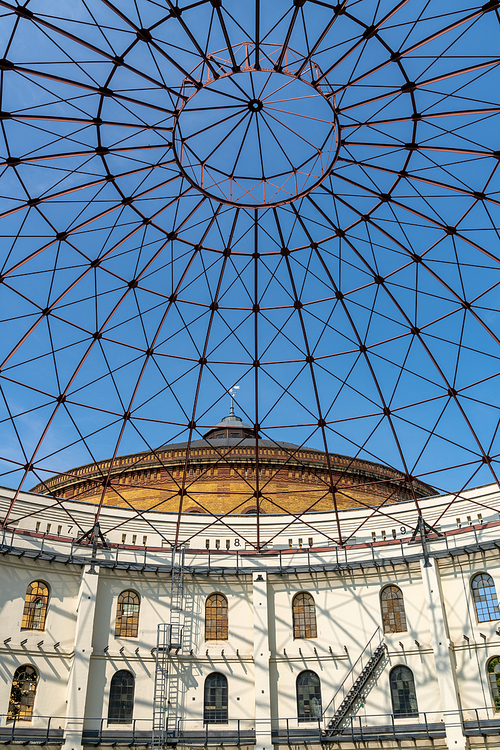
79,673
443,655
261,657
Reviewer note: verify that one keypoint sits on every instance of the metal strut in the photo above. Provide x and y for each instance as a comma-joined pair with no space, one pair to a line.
168,643
93,536
422,529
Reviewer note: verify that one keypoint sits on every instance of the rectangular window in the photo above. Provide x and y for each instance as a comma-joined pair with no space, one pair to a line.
310,541
124,538
144,541
290,543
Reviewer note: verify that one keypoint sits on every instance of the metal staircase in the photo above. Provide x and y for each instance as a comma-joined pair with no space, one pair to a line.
168,642
364,666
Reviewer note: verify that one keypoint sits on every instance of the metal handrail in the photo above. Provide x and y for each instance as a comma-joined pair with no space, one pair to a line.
349,674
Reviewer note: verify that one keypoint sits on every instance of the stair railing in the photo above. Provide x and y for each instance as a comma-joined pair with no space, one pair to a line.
350,678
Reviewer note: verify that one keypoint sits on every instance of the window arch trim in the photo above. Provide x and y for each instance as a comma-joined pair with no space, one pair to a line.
216,617
36,602
304,615
128,607
392,607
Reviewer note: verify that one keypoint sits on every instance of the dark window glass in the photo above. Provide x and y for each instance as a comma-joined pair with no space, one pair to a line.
393,610
121,698
216,626
308,696
403,695
304,616
22,694
127,615
485,598
215,699
35,606
494,678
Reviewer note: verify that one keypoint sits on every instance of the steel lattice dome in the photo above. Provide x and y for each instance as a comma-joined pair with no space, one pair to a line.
296,198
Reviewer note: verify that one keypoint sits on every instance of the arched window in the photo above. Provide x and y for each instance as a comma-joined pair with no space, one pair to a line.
22,695
35,606
403,695
494,678
393,610
304,616
127,615
308,696
215,699
216,618
485,598
121,698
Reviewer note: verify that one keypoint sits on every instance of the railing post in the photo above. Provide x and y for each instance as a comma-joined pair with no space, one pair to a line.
426,725
133,730
13,728
393,728
287,732
47,733
239,738
100,731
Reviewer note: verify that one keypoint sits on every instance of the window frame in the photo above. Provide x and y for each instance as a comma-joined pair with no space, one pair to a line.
126,718
411,712
495,609
127,624
304,625
216,622
29,695
399,614
316,712
223,711
29,620
494,687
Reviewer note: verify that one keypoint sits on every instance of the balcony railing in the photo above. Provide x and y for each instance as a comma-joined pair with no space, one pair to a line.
97,732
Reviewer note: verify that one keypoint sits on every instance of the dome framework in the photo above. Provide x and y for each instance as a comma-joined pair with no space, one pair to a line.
300,199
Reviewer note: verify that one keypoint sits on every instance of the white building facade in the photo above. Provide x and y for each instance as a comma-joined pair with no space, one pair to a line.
271,643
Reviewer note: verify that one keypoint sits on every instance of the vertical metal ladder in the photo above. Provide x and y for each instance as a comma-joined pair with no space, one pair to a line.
168,642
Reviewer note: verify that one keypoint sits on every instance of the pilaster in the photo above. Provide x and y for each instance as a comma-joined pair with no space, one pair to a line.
443,655
79,672
261,657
